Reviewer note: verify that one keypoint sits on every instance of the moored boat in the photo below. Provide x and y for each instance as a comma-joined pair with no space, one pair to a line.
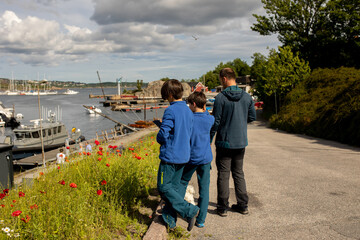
93,110
70,92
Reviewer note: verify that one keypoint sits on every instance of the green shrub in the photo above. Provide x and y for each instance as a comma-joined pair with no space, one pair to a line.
325,105
95,196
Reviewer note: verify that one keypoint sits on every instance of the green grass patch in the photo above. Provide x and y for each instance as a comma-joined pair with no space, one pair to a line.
104,195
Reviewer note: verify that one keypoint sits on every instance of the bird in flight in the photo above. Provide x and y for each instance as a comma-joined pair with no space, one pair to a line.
196,38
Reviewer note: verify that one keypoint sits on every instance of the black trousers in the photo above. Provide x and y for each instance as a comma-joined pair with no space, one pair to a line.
230,160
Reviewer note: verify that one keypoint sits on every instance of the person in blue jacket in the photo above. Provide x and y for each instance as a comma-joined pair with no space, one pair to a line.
233,109
200,153
174,138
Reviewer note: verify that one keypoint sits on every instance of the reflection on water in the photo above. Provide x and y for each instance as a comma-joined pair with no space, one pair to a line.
73,112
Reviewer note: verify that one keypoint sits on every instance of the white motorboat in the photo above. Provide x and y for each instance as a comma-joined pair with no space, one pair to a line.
70,92
93,110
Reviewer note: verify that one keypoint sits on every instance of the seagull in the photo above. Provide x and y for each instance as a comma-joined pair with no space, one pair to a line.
196,38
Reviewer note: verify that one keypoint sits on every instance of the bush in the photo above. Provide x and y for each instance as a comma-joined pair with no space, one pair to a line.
96,196
325,105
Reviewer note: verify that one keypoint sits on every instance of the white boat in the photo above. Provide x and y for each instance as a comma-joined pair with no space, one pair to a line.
93,110
70,92
8,112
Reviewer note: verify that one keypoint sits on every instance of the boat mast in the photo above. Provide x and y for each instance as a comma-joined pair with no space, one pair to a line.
101,85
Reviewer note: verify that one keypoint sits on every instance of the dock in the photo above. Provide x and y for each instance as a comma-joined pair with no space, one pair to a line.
136,109
37,160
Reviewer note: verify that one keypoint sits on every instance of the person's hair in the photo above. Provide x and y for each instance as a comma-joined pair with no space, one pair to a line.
198,98
61,150
172,87
228,73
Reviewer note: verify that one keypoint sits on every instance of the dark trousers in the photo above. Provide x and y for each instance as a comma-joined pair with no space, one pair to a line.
230,160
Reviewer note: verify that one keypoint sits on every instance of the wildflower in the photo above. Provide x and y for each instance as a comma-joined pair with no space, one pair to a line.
21,194
2,195
80,153
42,192
26,220
108,165
138,157
99,159
2,205
16,213
114,147
99,192
150,216
14,201
11,205
58,167
34,206
6,191
6,230
62,182
41,173
97,142
100,148
84,153
107,153
67,147
146,154
119,155
117,150
89,153
103,182
73,185
100,153
110,146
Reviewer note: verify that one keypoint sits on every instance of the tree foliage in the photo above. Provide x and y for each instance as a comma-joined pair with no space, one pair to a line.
325,32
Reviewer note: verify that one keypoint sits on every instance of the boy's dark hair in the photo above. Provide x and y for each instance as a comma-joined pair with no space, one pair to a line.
172,87
228,73
198,98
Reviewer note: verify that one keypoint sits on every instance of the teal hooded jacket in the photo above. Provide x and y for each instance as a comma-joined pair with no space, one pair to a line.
233,109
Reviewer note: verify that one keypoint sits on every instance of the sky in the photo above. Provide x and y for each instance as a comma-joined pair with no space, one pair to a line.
70,40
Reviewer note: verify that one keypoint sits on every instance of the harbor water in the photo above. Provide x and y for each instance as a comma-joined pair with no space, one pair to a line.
73,114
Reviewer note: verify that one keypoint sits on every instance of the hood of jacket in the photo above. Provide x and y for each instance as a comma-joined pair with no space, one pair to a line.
233,93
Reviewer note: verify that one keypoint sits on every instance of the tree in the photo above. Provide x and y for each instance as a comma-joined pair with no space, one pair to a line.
139,84
325,32
284,70
258,72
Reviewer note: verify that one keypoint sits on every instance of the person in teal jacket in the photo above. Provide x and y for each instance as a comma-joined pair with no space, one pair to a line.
233,110
174,139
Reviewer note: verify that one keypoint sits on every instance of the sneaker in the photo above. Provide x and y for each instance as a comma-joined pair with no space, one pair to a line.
199,225
192,221
221,212
239,209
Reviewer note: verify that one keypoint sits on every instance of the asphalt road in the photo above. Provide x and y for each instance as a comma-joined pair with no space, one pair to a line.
299,188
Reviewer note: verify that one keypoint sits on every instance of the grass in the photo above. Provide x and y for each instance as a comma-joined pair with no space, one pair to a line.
104,195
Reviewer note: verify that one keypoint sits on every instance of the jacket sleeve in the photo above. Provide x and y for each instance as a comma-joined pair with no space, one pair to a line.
251,112
217,110
166,126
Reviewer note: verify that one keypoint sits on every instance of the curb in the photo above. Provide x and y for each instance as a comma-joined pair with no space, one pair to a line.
157,230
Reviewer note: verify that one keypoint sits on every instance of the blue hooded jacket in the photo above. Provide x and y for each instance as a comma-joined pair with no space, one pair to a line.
233,109
200,139
174,134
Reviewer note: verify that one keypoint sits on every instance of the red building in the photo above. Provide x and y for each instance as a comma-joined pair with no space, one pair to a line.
197,87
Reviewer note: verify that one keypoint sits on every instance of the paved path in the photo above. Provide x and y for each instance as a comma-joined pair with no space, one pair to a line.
299,187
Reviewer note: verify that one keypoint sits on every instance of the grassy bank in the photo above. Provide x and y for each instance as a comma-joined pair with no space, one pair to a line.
326,105
102,195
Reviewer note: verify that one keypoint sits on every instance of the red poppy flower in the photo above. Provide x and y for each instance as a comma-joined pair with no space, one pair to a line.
73,185
11,205
115,147
110,146
6,191
34,206
84,153
117,150
99,159
138,157
62,182
146,154
119,155
58,167
100,153
2,195
2,205
41,173
103,182
79,153
107,153
99,192
43,192
14,201
67,147
88,153
26,220
108,165
100,148
21,194
16,213
97,142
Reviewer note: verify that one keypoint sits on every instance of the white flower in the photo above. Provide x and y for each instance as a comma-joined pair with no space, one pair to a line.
7,229
16,235
1,221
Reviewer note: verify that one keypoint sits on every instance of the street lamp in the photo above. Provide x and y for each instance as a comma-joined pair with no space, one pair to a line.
41,131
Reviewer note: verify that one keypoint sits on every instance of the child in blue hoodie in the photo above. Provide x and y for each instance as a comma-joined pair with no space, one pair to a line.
174,138
200,154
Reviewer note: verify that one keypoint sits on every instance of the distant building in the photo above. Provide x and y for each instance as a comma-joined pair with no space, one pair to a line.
197,87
